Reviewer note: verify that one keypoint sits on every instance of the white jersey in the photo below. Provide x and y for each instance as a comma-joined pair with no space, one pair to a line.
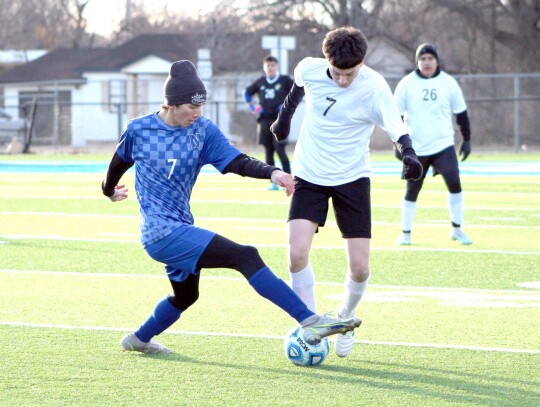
427,105
333,144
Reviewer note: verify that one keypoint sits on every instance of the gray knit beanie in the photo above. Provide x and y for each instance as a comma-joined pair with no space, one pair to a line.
184,85
426,48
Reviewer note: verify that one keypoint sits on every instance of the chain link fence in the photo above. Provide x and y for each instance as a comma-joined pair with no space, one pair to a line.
503,109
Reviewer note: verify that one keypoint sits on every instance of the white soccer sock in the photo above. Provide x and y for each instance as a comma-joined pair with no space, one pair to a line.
455,204
408,210
303,284
351,297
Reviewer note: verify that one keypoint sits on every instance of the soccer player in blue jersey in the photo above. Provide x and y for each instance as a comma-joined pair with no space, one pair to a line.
169,148
271,90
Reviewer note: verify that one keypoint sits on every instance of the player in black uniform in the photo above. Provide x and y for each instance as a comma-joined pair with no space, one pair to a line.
271,91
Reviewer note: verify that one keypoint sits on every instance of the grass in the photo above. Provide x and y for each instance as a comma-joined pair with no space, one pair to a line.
444,324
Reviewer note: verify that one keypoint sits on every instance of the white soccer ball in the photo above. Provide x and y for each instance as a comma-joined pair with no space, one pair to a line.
301,353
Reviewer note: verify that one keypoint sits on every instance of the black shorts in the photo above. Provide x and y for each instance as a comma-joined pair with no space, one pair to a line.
351,203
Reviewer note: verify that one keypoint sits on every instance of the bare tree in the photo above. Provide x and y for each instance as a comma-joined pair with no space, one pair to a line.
73,11
314,15
475,36
43,24
507,27
20,24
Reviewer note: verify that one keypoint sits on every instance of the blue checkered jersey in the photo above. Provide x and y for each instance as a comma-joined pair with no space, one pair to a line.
167,162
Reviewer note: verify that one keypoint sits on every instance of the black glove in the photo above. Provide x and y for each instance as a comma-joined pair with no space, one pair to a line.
465,149
412,168
397,154
281,128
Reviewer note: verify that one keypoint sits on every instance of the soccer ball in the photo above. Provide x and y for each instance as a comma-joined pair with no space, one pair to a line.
301,353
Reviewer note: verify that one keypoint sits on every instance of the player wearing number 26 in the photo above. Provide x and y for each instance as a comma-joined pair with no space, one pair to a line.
344,100
430,100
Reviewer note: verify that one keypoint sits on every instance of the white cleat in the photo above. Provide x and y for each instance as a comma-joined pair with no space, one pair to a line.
404,239
344,344
130,343
458,234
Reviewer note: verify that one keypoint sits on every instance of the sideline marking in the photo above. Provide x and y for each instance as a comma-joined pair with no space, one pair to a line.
450,296
332,223
428,290
325,283
223,334
530,284
283,246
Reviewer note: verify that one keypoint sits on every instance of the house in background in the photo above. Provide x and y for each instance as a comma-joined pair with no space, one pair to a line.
11,58
14,128
83,96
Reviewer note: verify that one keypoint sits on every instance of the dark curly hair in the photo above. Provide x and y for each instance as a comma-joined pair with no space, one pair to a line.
345,47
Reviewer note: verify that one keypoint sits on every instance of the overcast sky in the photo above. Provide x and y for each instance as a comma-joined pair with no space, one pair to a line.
104,15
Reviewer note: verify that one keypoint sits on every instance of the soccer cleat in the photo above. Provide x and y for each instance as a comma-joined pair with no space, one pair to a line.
273,187
404,239
130,343
458,234
344,344
326,326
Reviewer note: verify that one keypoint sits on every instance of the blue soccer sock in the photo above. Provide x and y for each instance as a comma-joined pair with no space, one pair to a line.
164,315
269,286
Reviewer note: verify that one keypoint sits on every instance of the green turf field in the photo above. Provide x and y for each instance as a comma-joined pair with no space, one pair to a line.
444,324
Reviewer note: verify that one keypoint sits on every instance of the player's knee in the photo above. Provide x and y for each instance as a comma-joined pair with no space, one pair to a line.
184,301
412,193
248,260
298,258
360,270
454,188
247,251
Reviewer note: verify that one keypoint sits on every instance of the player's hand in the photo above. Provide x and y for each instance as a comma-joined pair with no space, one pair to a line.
412,168
284,180
120,193
465,149
255,109
281,129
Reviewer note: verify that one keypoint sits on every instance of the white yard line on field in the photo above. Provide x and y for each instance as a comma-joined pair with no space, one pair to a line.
429,289
282,246
446,296
253,221
237,335
271,202
444,293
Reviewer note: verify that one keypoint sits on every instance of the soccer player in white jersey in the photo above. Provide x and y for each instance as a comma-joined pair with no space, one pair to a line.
429,99
344,99
169,148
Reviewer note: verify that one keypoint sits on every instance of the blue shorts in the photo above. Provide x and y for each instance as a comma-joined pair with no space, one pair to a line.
180,251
